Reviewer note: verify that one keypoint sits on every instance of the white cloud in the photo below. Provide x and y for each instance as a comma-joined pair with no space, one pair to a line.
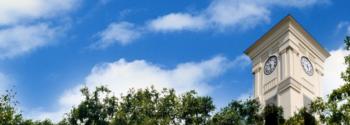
24,24
40,114
333,67
220,14
177,21
121,32
121,75
17,11
21,39
233,13
295,3
242,61
224,14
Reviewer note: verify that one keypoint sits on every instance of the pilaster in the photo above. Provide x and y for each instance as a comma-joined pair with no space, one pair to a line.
257,81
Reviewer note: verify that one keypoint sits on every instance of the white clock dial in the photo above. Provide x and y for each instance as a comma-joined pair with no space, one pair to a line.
307,66
270,65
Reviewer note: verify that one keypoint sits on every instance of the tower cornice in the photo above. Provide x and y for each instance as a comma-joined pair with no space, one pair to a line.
288,25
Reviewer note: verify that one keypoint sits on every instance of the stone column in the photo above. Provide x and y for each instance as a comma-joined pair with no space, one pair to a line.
257,82
283,65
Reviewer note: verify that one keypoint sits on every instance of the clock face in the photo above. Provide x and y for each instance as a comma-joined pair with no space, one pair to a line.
307,66
270,65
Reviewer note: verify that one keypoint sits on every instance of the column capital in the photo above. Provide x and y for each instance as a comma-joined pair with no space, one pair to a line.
256,69
286,49
288,45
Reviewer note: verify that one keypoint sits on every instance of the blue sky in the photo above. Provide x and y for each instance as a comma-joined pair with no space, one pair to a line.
48,50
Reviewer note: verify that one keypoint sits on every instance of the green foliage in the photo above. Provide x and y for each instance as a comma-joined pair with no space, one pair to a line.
168,107
138,107
64,121
347,42
273,115
149,107
302,117
31,122
8,114
142,106
239,113
195,109
97,108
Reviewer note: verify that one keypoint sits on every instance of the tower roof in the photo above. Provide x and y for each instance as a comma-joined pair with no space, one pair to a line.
290,21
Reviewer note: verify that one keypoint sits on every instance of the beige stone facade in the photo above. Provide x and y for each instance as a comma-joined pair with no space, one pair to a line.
290,82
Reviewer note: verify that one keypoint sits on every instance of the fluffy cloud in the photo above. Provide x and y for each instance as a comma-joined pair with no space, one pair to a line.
24,24
18,40
333,67
233,13
121,75
222,14
17,11
242,61
176,22
294,3
121,32
219,15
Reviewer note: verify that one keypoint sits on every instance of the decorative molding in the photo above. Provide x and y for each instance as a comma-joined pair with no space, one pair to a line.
270,85
287,25
289,83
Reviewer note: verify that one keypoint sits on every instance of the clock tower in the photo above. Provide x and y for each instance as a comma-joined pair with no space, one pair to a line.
287,66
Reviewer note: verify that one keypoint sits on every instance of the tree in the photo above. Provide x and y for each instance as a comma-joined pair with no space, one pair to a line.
336,110
64,121
138,107
239,113
168,108
150,107
95,109
302,117
273,115
31,122
194,110
8,114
